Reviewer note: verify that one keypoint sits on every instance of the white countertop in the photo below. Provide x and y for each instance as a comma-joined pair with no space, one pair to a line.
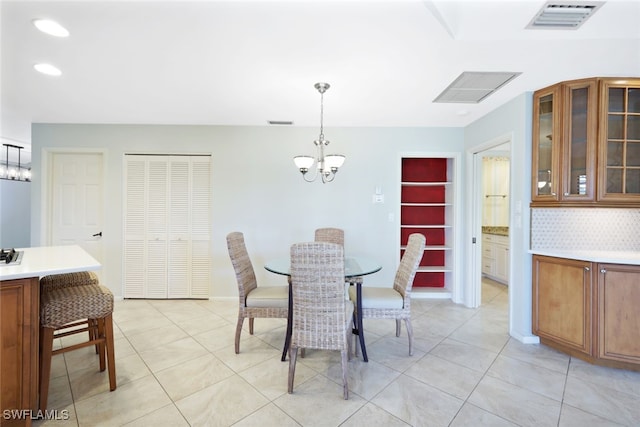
614,257
42,261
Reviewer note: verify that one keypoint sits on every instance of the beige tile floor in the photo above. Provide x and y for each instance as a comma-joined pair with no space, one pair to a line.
176,367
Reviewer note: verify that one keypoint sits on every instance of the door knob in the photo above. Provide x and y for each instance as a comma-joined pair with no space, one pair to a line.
98,234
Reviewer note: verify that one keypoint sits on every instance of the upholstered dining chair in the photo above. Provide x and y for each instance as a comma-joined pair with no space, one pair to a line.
321,314
395,302
254,301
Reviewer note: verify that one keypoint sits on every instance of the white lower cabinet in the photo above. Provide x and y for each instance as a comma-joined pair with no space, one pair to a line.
495,257
167,226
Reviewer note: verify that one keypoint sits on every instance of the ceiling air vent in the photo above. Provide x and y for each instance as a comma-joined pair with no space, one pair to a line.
471,87
564,15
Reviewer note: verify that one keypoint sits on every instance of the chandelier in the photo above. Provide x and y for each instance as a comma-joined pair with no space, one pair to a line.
326,165
14,171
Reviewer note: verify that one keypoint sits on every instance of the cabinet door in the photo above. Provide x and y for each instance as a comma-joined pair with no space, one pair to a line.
546,143
579,140
18,346
618,314
562,296
619,140
502,263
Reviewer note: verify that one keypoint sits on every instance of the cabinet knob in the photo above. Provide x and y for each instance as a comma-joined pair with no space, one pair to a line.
603,270
566,194
554,194
587,269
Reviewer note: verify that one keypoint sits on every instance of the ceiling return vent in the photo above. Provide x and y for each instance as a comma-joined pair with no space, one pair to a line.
471,87
564,15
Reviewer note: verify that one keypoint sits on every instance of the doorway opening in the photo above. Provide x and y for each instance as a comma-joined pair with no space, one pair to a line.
491,220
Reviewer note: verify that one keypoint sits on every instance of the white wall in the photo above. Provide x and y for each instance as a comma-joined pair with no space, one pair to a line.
256,187
15,211
513,119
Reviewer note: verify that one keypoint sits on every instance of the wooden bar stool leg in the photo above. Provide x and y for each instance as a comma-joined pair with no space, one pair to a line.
101,345
46,350
108,332
93,327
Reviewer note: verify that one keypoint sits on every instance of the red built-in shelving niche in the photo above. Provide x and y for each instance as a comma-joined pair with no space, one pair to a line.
423,210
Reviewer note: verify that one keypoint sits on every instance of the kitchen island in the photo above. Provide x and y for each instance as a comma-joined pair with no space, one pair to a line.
19,317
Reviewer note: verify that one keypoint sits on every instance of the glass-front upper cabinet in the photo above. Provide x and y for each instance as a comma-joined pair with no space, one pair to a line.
546,144
619,140
579,139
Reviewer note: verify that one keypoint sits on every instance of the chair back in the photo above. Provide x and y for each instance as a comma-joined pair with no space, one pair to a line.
330,235
408,266
245,276
319,305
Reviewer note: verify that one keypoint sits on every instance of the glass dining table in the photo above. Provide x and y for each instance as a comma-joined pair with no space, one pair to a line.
354,266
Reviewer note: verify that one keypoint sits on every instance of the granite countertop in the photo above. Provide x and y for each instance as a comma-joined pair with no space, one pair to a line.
613,257
497,230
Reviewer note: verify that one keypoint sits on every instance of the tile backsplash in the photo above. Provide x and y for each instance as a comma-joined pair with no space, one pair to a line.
585,229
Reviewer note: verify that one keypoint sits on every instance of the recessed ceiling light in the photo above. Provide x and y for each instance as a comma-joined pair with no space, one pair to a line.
51,27
48,69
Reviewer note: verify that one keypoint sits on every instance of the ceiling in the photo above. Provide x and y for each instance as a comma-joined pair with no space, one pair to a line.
248,62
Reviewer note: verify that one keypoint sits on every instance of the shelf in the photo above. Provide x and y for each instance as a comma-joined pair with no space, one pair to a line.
434,269
425,226
430,293
425,184
431,248
425,204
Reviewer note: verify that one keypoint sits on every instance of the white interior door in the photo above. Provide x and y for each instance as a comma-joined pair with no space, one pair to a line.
77,201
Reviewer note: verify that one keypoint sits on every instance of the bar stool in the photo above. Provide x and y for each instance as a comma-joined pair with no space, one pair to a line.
68,310
64,280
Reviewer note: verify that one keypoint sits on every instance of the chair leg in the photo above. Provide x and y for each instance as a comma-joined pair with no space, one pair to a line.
250,325
345,374
101,345
398,327
110,347
46,349
293,356
407,322
91,324
355,327
238,332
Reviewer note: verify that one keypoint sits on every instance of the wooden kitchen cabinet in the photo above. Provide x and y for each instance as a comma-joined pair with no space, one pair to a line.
619,140
495,257
618,301
576,123
562,303
18,347
588,310
564,142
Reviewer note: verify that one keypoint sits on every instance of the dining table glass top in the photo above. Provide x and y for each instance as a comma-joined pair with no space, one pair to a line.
353,266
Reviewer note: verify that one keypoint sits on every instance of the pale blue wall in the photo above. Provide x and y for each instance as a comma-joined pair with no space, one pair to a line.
256,187
513,120
15,213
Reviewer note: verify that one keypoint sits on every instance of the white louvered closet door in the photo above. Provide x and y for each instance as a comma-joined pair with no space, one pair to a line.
200,226
134,228
168,210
